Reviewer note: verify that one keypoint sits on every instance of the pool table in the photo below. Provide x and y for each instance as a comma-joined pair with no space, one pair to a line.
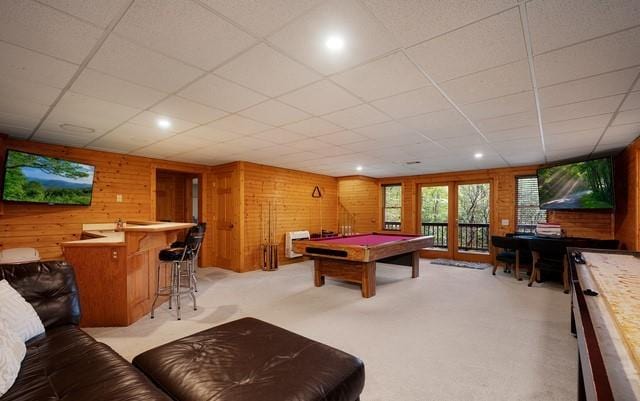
353,258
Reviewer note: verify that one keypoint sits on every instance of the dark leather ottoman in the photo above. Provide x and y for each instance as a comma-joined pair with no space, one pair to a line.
251,360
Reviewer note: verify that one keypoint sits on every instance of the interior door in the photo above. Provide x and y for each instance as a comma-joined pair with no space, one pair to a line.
436,211
224,219
471,226
165,200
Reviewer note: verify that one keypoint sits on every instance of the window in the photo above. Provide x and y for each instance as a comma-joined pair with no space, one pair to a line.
528,212
392,206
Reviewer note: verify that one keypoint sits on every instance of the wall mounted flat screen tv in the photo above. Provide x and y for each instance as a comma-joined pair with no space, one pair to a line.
581,185
36,178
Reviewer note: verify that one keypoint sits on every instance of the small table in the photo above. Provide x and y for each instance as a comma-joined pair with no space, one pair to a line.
353,258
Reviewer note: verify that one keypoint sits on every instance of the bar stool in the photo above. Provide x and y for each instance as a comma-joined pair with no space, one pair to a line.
200,228
181,263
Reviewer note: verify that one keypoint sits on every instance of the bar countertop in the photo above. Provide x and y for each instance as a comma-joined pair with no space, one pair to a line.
106,233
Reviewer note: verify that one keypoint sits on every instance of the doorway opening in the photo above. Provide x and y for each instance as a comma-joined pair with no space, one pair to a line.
178,196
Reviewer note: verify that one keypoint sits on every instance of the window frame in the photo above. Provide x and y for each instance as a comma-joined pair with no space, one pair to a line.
517,206
385,207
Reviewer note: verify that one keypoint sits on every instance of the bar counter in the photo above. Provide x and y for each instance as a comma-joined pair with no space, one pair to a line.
116,269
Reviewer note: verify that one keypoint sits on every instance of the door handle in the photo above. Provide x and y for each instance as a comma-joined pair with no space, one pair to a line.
231,226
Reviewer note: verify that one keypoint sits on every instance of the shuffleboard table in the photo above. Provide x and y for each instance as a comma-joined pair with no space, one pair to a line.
353,258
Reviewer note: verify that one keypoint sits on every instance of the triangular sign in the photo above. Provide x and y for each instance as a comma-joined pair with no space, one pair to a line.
316,192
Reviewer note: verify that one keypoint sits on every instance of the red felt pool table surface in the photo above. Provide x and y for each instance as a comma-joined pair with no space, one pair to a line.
366,239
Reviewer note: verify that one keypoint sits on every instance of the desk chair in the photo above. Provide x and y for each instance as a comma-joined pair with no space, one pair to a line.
514,253
551,255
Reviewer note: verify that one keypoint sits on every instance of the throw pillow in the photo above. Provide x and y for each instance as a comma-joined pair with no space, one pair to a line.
12,352
18,314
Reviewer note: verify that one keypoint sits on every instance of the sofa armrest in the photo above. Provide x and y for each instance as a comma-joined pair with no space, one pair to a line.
50,287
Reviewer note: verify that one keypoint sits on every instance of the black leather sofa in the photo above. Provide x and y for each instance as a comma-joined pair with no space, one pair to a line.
65,363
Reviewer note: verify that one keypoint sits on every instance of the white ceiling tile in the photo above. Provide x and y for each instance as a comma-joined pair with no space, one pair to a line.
239,125
512,134
18,107
15,132
500,81
512,121
247,143
171,146
320,98
279,136
137,64
631,102
505,105
57,137
185,30
178,107
130,136
342,138
569,140
565,154
581,109
212,134
596,56
96,84
511,148
221,94
579,124
98,12
262,17
85,111
461,142
558,23
267,71
30,66
385,143
150,119
613,83
627,117
413,21
355,117
304,39
609,148
37,27
621,133
419,101
313,127
392,75
274,113
28,91
19,121
485,44
525,159
389,129
309,144
440,124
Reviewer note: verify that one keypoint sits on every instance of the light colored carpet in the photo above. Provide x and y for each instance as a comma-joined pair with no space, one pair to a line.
452,334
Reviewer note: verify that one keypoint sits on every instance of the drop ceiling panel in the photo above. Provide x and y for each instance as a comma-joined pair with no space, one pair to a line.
440,124
342,138
631,102
513,147
267,71
580,124
386,130
178,107
137,64
185,30
239,125
15,132
30,66
413,21
627,117
212,134
621,133
150,119
530,132
596,56
26,91
304,39
98,12
569,154
102,86
279,136
613,83
581,109
130,136
488,43
275,113
496,82
505,105
570,140
509,122
37,27
221,94
14,110
57,137
320,98
356,117
412,103
382,78
558,23
313,127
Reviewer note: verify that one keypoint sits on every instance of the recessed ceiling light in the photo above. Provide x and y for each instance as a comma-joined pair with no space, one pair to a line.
478,155
163,123
335,43
359,168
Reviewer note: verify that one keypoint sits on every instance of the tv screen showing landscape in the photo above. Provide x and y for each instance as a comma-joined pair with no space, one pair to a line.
40,179
581,185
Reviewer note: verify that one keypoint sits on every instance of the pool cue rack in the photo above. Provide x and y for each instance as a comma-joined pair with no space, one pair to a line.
269,246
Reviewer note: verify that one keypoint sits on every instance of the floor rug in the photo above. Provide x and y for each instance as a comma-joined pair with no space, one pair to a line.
461,263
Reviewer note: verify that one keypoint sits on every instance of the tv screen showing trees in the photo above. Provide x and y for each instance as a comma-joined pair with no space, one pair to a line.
582,185
40,179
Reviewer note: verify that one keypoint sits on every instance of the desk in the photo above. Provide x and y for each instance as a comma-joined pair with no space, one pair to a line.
116,269
353,258
607,325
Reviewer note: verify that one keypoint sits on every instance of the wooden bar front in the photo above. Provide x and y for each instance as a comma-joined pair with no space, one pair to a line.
116,273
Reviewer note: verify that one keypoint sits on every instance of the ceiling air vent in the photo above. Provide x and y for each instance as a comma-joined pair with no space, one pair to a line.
413,162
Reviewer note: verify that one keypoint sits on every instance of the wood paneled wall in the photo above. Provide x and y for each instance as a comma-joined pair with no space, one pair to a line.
297,210
627,219
45,227
358,196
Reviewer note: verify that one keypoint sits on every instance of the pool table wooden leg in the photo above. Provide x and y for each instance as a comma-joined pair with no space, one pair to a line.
368,283
415,265
318,278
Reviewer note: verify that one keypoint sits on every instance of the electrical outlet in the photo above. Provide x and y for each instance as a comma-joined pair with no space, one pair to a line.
505,222
118,197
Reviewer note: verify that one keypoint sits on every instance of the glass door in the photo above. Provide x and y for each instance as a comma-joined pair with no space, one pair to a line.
435,213
473,216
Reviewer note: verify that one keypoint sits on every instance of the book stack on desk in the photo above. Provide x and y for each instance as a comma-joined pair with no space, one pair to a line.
548,230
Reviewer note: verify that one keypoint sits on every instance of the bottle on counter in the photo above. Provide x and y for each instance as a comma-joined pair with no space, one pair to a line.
119,225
